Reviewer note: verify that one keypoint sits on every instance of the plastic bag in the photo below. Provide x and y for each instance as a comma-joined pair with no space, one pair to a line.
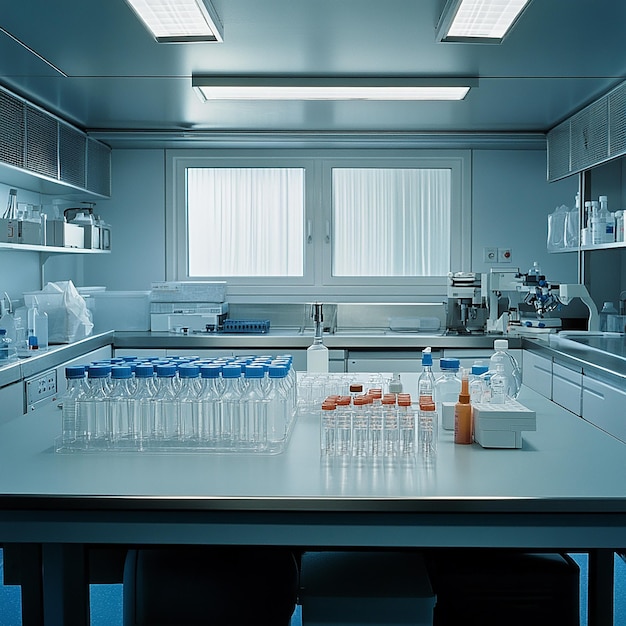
556,228
69,319
572,229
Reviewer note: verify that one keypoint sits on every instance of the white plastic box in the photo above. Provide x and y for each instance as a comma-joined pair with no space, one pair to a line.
501,425
120,310
373,588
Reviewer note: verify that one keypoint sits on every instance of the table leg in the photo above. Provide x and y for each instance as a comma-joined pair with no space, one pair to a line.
65,584
601,585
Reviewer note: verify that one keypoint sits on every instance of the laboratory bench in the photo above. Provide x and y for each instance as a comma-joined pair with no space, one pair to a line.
562,491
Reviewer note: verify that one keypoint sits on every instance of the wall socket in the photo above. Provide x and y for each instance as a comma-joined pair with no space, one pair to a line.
504,255
41,387
490,255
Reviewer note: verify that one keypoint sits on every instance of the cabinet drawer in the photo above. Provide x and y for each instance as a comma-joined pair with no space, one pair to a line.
603,405
567,388
537,373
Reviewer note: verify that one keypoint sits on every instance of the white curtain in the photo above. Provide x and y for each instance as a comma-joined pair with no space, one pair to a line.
391,222
245,221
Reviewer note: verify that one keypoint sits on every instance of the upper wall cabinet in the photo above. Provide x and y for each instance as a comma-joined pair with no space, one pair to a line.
592,136
41,152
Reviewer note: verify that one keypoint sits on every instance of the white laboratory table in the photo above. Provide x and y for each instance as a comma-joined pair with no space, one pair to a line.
564,490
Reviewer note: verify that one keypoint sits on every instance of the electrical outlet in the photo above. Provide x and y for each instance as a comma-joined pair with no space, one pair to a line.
490,255
504,255
41,387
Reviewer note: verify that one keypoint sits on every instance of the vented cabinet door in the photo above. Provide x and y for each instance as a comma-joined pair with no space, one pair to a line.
590,136
559,151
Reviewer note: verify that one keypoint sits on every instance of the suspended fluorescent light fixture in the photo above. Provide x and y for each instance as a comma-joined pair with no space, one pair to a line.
179,21
330,88
479,21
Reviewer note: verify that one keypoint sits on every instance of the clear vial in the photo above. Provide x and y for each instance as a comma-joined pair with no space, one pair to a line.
327,428
360,427
427,429
406,425
391,442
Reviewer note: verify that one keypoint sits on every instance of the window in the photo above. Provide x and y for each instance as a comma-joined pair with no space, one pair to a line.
245,221
304,224
391,222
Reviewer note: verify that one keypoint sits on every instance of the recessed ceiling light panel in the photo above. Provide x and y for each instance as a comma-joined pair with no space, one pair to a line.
331,88
478,20
179,21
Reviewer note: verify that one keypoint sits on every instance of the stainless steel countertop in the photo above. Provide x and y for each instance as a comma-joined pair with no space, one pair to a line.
53,357
599,356
294,339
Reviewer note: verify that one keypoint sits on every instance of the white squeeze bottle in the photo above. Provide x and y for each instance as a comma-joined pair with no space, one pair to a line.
317,352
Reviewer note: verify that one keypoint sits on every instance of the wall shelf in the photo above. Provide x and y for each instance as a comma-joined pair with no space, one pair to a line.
26,247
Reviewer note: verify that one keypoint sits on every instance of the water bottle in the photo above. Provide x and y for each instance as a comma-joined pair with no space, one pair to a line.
142,405
511,368
499,385
477,382
165,413
208,402
447,389
187,406
279,404
91,409
230,409
75,389
254,404
119,409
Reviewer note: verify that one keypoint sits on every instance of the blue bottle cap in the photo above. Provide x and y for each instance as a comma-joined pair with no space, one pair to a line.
121,371
188,370
144,370
449,364
210,371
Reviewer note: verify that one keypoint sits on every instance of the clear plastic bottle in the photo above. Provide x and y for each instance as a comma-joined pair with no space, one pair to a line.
407,425
447,389
143,405
119,406
278,404
360,428
230,404
343,427
499,385
477,382
75,389
91,409
37,328
391,440
427,428
608,308
609,220
598,224
619,226
327,428
511,367
165,414
534,272
426,379
253,426
208,401
188,408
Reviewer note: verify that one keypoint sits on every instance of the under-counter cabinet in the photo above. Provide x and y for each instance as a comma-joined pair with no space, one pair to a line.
537,373
603,405
567,382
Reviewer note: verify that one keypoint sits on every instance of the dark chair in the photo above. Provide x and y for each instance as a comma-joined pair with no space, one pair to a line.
216,586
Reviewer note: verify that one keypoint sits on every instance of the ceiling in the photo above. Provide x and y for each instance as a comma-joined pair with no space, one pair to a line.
561,55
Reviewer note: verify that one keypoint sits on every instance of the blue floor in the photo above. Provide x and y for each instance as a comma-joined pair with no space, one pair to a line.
106,600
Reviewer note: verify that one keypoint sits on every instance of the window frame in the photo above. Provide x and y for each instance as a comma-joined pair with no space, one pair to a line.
317,281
